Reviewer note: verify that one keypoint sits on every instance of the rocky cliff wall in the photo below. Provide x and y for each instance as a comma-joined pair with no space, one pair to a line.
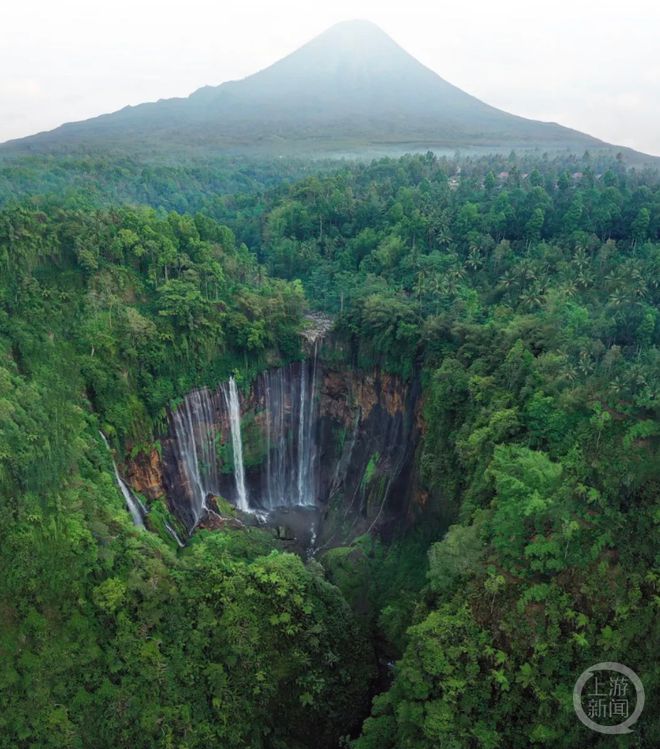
348,437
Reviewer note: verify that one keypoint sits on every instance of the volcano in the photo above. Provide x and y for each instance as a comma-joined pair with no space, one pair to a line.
351,89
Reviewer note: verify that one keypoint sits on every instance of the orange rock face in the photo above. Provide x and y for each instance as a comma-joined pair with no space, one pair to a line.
145,474
345,389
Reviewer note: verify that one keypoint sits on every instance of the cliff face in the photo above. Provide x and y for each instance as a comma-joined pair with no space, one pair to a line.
369,433
145,474
336,441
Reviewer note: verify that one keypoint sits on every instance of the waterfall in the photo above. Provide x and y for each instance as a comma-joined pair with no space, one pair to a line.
306,438
174,534
234,407
285,418
195,431
301,435
197,424
289,398
310,442
135,507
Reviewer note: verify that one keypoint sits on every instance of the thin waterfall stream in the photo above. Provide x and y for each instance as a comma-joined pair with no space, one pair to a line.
195,432
233,404
133,504
290,402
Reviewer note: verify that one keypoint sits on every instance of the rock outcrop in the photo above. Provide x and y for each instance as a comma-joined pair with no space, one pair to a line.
145,474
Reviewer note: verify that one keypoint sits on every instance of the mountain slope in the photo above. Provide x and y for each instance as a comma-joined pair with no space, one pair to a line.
352,87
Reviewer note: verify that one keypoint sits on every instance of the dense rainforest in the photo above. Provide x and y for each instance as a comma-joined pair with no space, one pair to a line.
520,291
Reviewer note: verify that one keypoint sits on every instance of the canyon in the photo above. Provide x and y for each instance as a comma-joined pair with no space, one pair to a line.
318,449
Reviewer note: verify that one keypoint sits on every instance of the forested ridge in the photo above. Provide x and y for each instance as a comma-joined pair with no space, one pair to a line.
522,291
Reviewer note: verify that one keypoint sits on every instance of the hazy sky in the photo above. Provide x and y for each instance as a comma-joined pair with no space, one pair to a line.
594,66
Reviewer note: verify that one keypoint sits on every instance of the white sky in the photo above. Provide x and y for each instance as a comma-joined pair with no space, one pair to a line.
592,65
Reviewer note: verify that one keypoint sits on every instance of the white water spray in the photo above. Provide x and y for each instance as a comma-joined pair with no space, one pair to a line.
174,534
195,430
135,507
234,408
290,471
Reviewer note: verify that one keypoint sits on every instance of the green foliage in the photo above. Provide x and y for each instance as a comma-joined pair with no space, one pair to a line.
222,631
170,302
381,582
111,636
521,298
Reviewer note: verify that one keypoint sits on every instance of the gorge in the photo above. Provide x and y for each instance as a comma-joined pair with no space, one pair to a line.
315,444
